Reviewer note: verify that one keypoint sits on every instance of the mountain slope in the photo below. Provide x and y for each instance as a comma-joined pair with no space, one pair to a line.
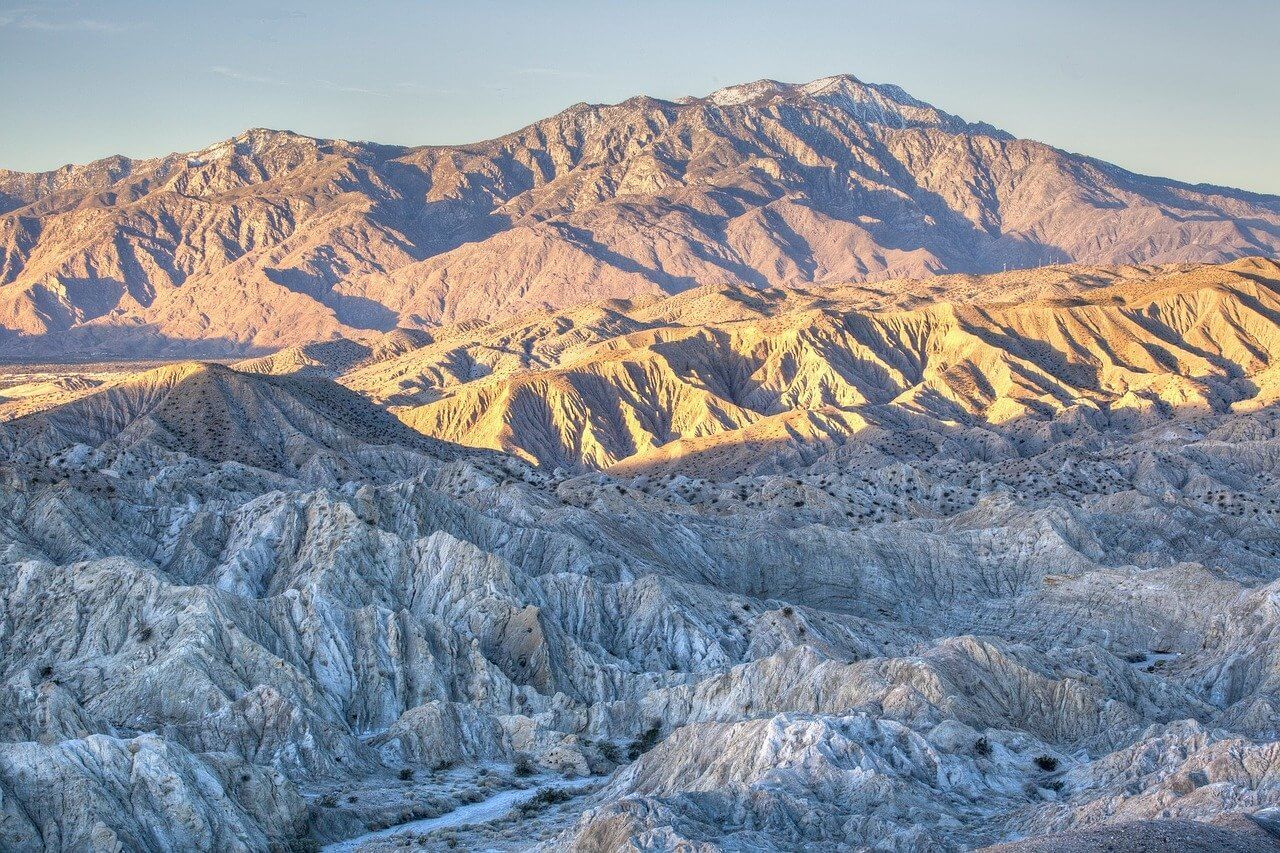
272,239
301,427
789,371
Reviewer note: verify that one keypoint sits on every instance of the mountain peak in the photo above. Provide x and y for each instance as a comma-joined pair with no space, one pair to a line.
252,142
874,103
744,93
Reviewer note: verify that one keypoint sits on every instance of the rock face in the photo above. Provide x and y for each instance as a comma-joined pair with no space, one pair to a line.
1240,836
101,793
272,239
1020,589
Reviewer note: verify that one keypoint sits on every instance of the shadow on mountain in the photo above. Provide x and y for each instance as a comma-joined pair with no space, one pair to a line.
358,312
892,434
303,427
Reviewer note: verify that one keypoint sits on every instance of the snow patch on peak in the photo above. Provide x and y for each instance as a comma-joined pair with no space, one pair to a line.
814,87
875,103
251,142
217,151
747,92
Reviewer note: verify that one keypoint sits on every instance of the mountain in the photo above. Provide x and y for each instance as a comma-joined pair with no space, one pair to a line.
721,380
272,239
337,356
295,425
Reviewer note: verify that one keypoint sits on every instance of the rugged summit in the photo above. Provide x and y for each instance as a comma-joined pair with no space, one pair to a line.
272,239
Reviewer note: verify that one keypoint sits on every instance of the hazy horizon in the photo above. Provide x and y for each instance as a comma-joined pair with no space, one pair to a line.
90,79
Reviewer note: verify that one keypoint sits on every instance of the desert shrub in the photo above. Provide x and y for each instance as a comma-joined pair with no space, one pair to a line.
645,742
1047,763
982,747
544,798
610,751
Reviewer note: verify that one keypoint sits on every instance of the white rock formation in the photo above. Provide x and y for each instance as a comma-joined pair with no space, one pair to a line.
245,610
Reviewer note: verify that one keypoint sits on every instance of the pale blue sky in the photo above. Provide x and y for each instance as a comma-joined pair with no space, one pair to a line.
1189,90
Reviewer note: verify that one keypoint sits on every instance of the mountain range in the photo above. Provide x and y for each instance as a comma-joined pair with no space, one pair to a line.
798,467
272,239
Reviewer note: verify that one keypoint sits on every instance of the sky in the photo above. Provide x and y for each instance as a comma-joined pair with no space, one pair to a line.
1180,89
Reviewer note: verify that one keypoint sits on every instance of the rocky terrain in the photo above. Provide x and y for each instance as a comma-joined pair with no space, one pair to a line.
903,565
271,239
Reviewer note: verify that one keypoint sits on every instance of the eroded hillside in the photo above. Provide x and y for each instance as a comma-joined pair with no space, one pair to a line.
724,381
888,574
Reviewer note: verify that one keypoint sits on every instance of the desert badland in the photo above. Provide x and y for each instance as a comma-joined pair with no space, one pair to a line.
793,467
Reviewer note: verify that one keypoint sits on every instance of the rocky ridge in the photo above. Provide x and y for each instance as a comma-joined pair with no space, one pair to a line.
272,239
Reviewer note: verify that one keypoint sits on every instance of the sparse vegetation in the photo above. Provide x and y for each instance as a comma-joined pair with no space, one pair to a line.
545,798
647,741
609,750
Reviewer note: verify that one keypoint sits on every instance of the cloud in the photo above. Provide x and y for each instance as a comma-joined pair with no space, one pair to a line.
409,86
351,90
245,76
506,84
31,19
560,73
279,16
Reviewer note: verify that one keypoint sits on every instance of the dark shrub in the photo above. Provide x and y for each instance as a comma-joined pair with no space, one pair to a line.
645,742
609,750
544,798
